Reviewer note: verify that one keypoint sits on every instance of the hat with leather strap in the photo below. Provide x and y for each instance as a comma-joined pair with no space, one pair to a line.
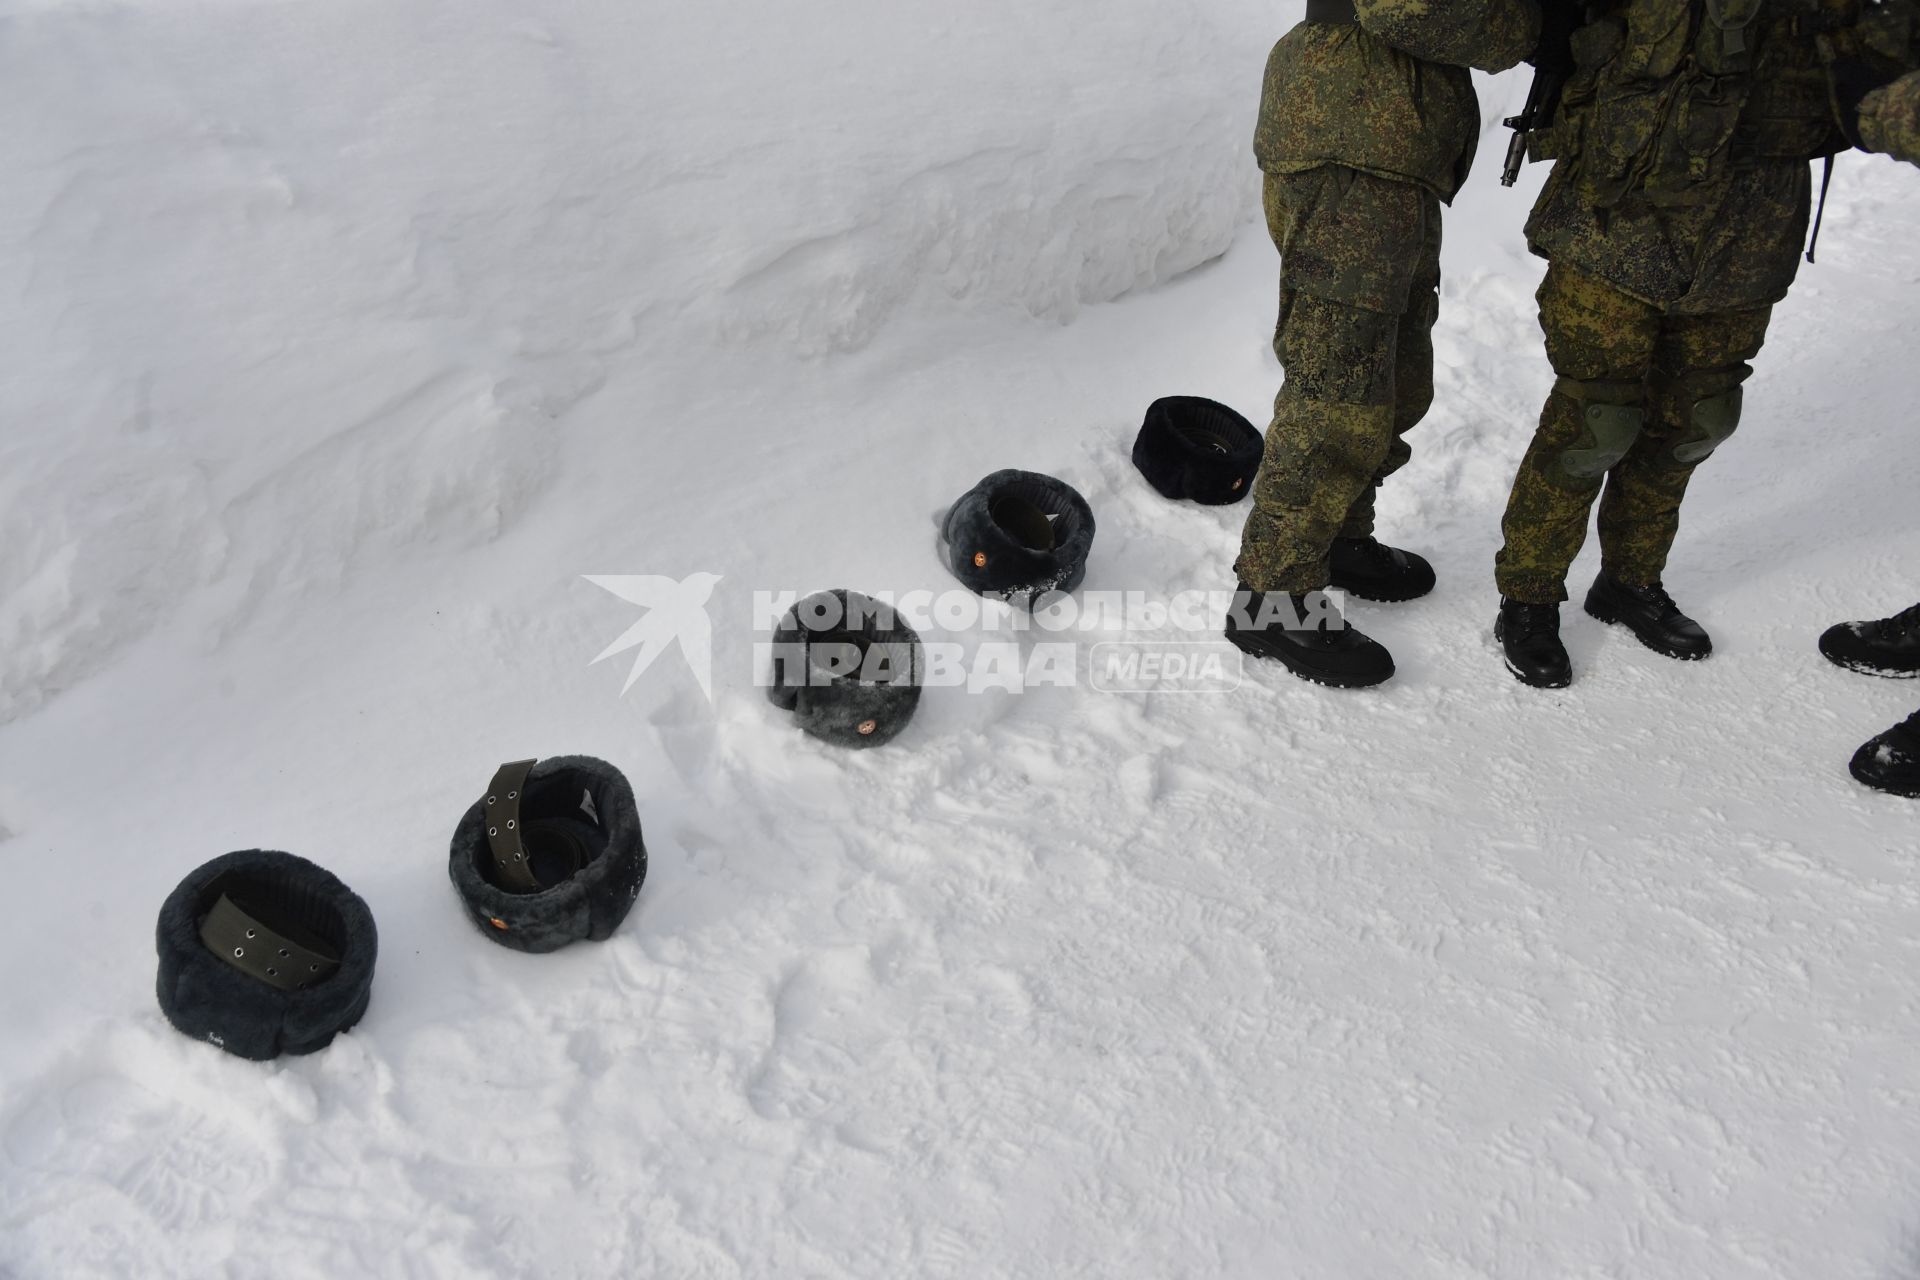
1018,535
264,953
1194,448
550,854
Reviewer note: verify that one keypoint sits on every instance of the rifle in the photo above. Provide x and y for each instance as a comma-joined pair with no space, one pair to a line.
1543,103
1552,63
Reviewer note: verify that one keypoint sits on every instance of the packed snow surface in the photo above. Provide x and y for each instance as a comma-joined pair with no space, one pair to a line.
342,341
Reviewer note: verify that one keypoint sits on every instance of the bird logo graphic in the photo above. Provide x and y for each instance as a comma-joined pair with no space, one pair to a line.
675,611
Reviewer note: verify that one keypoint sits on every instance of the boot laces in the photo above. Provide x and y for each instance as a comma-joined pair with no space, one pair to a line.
1373,550
1534,619
1656,594
1907,620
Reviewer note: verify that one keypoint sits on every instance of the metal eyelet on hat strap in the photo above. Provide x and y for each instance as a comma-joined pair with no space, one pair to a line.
259,950
510,862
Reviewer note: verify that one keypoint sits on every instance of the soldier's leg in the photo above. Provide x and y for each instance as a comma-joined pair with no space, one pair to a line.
1412,370
1348,244
1332,424
1694,404
1601,344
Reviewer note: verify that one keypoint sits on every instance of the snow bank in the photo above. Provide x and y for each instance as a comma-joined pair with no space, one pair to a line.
251,250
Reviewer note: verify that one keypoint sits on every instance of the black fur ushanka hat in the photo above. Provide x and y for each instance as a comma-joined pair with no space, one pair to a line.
847,667
264,953
550,854
1190,447
1018,535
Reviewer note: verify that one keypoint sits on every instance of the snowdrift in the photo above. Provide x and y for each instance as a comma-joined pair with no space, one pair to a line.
289,288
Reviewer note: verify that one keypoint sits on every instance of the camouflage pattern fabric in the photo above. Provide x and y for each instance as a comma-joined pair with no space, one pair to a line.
1349,95
1610,347
1490,35
1682,146
1890,119
1359,294
1742,249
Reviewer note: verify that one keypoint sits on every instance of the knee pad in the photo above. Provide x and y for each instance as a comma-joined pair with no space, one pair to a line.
1708,426
1607,430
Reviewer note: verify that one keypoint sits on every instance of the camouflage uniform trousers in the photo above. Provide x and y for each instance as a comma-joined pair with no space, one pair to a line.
1359,294
1623,365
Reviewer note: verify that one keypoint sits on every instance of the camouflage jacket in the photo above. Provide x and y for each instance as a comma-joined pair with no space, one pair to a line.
1682,146
1391,96
1890,119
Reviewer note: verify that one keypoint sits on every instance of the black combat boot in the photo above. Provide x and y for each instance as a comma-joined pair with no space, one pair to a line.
1370,569
1312,644
1530,634
1652,616
1886,647
1891,762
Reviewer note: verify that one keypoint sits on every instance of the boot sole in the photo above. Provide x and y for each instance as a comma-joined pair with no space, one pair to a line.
1905,793
1612,618
1866,669
1378,596
1533,683
1328,679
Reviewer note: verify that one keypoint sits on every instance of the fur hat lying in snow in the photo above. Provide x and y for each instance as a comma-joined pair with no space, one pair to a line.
264,953
1018,535
579,829
848,668
1190,447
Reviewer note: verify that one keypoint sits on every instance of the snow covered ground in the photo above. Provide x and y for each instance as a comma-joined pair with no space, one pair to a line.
342,340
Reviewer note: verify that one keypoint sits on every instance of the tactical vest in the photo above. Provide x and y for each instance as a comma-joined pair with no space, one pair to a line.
1671,97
